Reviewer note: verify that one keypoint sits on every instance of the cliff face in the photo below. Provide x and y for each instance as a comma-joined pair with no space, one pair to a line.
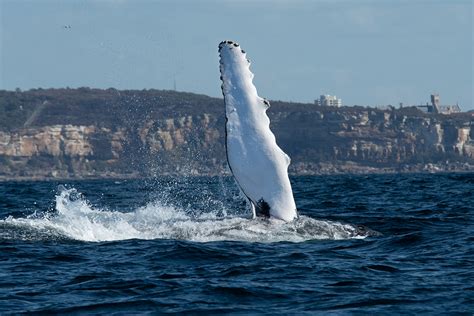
61,151
375,139
169,139
187,144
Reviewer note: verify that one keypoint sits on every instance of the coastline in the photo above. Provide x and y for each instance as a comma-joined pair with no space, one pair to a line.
99,134
297,171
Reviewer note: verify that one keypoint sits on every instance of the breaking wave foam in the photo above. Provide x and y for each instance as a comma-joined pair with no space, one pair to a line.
76,219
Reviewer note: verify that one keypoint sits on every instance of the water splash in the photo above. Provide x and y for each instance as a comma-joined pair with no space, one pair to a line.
75,218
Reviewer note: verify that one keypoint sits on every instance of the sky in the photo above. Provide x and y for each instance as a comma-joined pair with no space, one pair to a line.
367,52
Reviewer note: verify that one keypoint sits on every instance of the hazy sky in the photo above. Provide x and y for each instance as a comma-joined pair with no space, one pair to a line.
366,52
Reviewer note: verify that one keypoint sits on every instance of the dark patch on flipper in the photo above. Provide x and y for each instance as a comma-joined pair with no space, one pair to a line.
267,104
262,208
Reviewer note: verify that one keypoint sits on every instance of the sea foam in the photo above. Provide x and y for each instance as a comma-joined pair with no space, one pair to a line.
75,218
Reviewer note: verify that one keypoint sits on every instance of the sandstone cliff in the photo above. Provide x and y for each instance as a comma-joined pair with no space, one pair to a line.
108,133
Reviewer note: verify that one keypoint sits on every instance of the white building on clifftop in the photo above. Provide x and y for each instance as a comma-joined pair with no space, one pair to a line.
328,100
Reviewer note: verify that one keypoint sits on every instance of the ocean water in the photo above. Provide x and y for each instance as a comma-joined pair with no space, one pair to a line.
382,244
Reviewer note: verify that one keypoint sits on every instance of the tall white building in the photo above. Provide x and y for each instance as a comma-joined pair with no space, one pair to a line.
328,100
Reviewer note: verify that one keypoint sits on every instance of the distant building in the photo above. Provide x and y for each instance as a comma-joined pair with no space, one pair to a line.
435,104
437,108
328,100
448,109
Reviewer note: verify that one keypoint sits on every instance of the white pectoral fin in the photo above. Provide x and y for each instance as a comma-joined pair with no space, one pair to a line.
287,159
257,163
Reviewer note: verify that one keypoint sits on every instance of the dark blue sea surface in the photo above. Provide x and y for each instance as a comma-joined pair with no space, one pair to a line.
381,244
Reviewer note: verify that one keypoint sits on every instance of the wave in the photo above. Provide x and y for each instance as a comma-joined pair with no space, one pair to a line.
75,218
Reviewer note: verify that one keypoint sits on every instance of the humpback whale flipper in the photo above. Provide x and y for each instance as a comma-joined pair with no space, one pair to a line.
259,166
